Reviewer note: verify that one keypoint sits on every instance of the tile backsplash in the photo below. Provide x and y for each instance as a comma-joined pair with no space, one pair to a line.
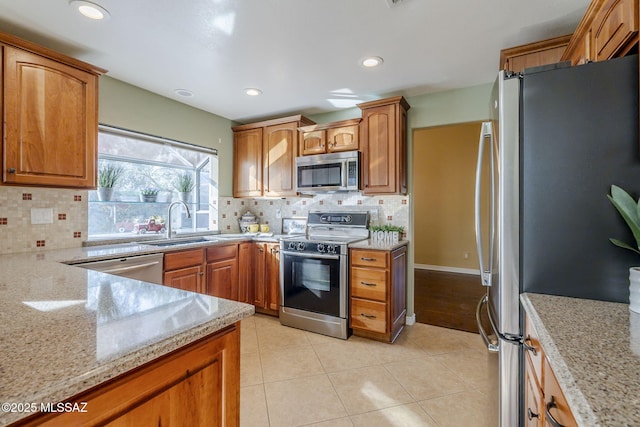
34,219
383,209
41,218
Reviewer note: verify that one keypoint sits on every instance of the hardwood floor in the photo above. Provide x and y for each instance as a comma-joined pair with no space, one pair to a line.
447,299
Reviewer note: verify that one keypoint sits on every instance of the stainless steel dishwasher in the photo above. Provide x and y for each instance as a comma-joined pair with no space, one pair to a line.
140,267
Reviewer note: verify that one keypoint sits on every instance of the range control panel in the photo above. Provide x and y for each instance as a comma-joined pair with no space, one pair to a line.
312,247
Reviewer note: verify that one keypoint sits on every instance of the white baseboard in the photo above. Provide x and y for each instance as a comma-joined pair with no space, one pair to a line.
410,320
447,269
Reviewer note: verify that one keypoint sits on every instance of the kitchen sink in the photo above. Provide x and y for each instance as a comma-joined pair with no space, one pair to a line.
175,242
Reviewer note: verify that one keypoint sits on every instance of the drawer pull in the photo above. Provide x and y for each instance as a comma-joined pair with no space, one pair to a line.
368,316
531,415
529,347
368,284
550,405
367,259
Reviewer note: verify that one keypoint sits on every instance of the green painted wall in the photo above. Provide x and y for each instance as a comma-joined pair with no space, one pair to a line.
131,107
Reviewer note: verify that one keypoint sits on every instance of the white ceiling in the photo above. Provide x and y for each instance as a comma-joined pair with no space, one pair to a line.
303,54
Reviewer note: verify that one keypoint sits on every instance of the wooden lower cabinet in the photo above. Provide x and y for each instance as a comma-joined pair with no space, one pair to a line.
184,270
197,385
378,282
266,277
222,272
545,404
245,276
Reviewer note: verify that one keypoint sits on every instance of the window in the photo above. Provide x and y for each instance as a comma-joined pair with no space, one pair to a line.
149,170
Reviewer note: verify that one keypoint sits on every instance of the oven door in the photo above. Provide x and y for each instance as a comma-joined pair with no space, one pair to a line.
314,282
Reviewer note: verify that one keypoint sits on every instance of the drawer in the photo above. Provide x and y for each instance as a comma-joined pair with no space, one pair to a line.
182,259
560,410
369,315
217,253
531,338
369,284
369,258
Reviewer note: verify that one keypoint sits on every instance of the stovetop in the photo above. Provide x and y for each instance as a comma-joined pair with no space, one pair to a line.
329,233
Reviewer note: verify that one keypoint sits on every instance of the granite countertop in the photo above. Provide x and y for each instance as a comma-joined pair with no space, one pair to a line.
380,245
593,348
66,329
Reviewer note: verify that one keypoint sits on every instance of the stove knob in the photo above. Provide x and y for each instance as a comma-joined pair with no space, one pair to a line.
320,247
292,246
331,249
300,246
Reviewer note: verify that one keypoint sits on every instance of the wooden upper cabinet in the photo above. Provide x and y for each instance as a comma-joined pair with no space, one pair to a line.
608,29
264,157
330,137
615,29
543,52
247,163
280,148
50,117
384,146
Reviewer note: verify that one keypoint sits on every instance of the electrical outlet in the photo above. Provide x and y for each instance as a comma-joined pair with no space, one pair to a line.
466,255
41,216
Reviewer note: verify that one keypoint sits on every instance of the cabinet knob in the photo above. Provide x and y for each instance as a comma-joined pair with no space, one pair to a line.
201,273
11,170
531,415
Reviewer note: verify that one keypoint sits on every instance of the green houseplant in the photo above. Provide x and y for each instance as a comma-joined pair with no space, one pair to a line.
629,209
149,194
185,185
108,175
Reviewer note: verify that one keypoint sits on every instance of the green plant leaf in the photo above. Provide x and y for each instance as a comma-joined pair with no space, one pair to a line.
628,209
624,245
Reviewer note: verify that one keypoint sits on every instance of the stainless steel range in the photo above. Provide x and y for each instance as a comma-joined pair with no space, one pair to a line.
314,272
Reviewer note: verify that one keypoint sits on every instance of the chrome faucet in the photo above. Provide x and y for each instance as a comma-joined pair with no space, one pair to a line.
169,231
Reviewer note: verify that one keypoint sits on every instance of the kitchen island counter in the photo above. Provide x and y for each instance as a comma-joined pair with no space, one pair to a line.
593,348
66,329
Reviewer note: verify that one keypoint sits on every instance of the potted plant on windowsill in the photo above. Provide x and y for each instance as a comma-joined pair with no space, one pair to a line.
149,194
185,185
629,209
108,176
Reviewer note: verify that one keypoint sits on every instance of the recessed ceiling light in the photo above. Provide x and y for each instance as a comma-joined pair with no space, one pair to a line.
372,61
90,10
252,91
184,92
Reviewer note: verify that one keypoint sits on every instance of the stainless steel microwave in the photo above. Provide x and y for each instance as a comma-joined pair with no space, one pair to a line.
328,172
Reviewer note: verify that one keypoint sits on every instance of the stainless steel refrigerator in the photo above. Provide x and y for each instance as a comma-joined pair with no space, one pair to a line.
558,138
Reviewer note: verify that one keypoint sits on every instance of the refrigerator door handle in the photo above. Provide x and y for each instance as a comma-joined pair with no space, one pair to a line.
491,345
485,270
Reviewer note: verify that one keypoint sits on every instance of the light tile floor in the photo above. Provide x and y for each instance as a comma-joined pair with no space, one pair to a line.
430,376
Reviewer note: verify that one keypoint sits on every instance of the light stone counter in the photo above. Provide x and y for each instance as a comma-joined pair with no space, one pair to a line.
64,329
593,348
380,245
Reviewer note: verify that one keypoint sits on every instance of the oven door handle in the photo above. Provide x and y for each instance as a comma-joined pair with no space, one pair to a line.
307,255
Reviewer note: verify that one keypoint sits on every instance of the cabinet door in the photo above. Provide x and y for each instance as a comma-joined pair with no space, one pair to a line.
273,277
222,279
533,397
245,270
188,278
279,155
313,142
559,410
259,290
52,112
378,150
197,385
344,138
247,163
614,28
